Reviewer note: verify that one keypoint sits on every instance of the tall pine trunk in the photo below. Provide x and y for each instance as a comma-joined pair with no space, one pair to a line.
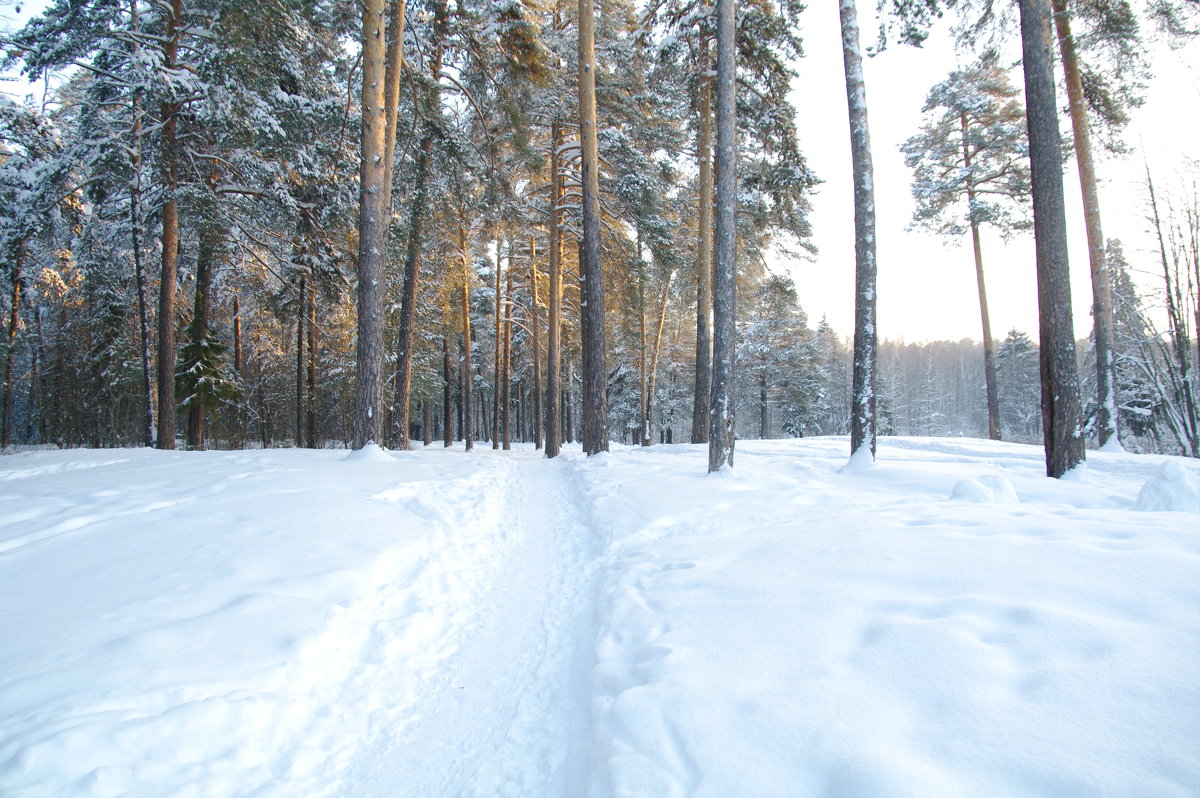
198,334
10,351
862,408
1102,310
554,311
170,240
1061,417
721,410
301,317
591,274
989,343
468,439
704,244
310,404
135,232
535,334
506,357
374,213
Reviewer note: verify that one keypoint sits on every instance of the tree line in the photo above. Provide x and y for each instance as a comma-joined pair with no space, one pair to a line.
233,224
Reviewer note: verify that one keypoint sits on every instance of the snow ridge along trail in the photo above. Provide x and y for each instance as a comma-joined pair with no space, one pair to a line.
505,710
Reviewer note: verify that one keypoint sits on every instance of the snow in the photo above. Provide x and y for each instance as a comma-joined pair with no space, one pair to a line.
299,622
1170,489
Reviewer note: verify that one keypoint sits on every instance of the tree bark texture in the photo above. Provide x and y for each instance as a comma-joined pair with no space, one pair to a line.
866,336
10,352
310,402
135,232
170,240
535,335
198,332
554,320
1102,310
1061,416
468,439
721,410
704,244
506,357
373,217
591,274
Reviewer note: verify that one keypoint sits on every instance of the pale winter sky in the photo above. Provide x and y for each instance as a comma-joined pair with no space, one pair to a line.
927,285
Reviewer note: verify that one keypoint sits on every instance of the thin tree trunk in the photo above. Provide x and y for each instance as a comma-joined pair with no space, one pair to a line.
662,321
467,366
373,220
412,260
170,240
301,315
643,385
198,333
499,344
535,335
10,353
704,243
721,419
426,422
764,415
570,401
239,415
447,388
866,341
1102,311
135,231
506,357
989,344
591,274
310,410
1061,416
554,322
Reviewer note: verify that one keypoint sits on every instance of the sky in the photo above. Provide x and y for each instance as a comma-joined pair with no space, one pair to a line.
927,284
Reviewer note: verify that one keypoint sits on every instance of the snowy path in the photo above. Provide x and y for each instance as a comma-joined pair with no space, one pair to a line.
503,713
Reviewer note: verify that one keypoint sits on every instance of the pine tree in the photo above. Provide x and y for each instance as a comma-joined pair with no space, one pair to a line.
972,152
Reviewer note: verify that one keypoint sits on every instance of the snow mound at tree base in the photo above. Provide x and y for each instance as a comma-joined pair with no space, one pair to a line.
1171,489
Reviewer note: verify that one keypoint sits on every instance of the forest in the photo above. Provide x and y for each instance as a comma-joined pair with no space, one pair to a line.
318,224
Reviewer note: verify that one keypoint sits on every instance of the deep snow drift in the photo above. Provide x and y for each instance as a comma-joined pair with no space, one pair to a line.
947,622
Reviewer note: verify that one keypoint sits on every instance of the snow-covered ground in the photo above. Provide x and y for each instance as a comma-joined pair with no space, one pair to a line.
947,622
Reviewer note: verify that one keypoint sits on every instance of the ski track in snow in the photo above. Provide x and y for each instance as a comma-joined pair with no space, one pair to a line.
501,712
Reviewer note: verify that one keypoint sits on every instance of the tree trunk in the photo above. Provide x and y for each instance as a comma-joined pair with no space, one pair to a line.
721,419
1061,417
135,232
1102,311
704,243
170,240
198,333
310,410
506,357
374,216
301,315
535,335
662,321
570,402
467,366
239,416
591,274
989,344
764,415
10,353
447,388
554,321
499,344
862,411
412,259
